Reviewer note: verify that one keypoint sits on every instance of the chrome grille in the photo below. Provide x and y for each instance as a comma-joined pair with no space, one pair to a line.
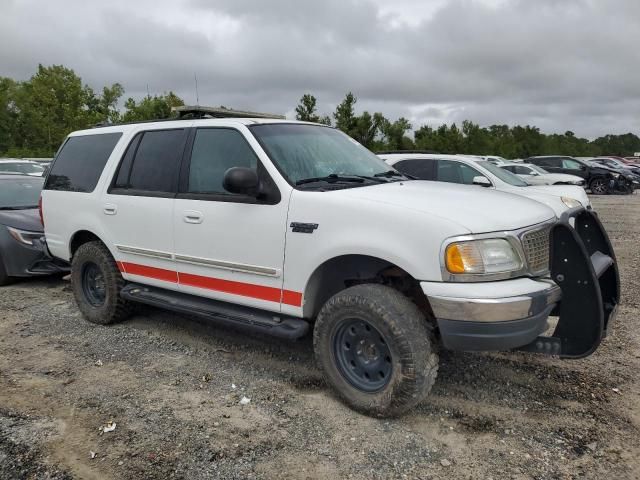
536,249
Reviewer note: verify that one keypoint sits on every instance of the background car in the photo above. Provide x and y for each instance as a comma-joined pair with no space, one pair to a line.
469,170
22,248
599,180
535,175
616,164
25,167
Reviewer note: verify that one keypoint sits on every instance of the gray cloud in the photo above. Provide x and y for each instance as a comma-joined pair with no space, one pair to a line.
561,65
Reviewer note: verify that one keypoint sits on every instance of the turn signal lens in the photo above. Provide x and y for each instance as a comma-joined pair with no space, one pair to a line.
494,255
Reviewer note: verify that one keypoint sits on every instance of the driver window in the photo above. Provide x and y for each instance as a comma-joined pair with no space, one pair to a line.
570,164
216,150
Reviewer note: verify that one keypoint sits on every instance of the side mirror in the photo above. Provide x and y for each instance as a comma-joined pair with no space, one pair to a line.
482,181
241,180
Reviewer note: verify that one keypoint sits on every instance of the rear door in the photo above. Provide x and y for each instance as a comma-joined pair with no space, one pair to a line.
138,207
229,247
550,164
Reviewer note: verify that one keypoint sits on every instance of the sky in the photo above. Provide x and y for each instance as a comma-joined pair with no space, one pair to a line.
557,64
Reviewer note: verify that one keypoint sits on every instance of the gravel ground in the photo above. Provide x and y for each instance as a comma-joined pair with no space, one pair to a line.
173,387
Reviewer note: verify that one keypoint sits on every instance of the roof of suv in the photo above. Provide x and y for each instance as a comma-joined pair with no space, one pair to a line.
181,123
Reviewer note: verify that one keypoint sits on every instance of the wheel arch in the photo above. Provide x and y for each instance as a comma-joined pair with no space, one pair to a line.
344,271
81,237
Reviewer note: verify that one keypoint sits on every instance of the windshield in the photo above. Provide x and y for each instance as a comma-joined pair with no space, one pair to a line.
304,152
21,167
542,171
503,174
23,192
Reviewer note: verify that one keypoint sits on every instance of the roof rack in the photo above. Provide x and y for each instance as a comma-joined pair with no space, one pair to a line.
197,111
391,152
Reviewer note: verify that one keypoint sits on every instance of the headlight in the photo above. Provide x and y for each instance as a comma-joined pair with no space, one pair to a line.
571,202
494,255
25,237
615,175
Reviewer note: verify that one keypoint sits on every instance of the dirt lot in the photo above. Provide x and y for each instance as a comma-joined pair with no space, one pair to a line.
173,387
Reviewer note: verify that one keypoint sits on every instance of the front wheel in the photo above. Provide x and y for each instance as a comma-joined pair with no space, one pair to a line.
373,346
599,186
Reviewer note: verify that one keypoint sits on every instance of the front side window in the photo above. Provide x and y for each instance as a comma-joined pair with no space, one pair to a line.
216,150
151,161
80,162
518,170
456,172
303,152
570,164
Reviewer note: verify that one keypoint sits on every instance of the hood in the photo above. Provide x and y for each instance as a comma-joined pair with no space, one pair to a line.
475,208
22,219
551,195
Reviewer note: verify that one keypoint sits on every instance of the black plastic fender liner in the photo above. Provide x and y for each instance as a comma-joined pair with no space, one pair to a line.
583,265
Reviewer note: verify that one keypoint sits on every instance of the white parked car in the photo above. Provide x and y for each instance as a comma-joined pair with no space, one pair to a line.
281,226
24,167
469,170
535,175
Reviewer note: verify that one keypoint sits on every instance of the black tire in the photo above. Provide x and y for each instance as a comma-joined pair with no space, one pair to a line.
403,331
599,186
98,305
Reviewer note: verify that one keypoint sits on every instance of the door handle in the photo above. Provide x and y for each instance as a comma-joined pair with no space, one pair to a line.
110,209
191,216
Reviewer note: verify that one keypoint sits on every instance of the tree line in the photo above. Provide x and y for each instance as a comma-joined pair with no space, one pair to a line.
36,115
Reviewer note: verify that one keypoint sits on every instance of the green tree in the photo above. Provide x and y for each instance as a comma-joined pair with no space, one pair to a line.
394,134
151,108
8,114
306,109
104,108
345,115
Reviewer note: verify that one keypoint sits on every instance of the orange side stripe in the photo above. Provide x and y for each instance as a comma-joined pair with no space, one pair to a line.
151,272
260,292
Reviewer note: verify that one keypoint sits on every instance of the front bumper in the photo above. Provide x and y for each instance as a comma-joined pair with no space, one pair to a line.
493,315
583,291
28,261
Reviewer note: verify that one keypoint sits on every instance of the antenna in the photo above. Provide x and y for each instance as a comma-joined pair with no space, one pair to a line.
148,90
195,77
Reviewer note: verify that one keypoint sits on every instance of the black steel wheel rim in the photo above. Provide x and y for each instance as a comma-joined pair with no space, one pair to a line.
93,284
362,355
599,186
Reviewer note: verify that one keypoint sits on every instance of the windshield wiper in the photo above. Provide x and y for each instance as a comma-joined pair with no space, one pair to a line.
388,174
27,207
332,178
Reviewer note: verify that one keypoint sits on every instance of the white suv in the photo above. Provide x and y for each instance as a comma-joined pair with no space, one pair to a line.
284,226
469,170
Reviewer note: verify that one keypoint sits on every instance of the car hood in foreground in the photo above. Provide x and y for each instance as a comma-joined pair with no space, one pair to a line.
22,219
475,208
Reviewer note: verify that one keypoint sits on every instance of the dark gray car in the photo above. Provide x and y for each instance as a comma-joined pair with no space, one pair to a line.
23,251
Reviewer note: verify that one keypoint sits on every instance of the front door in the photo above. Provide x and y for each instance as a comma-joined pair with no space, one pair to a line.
229,247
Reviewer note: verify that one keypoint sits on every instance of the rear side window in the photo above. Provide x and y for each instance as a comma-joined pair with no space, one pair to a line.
421,169
151,161
80,162
216,150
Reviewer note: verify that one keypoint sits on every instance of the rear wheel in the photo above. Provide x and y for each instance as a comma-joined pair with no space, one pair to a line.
373,345
96,283
599,186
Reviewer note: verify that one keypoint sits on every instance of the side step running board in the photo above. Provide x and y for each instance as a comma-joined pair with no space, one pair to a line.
253,319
